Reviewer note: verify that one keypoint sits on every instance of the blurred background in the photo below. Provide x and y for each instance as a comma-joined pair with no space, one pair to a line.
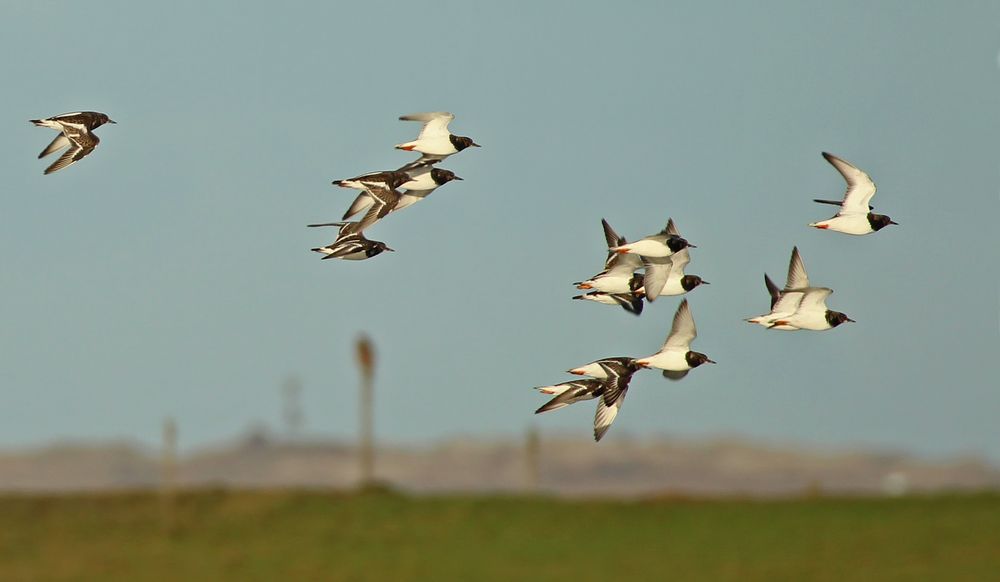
166,329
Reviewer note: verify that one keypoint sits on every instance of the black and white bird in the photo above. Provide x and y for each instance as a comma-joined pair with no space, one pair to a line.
619,275
76,131
661,244
802,307
796,279
422,181
351,244
631,302
855,216
609,381
435,141
665,275
676,358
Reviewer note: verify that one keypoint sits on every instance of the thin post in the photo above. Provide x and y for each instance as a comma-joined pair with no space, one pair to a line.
366,443
168,476
291,391
532,452
168,459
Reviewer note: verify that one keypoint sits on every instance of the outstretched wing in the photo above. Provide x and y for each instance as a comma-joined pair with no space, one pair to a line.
435,123
683,331
860,187
797,278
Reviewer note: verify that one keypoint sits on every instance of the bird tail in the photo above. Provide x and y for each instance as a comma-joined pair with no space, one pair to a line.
39,122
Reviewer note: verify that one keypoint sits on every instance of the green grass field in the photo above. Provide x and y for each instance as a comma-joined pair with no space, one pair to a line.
291,536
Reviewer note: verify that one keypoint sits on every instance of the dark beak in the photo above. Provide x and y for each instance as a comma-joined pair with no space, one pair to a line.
850,320
391,250
458,178
710,361
704,282
474,144
893,222
112,121
692,246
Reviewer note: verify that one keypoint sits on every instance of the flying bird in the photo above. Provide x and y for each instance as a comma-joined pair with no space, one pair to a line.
351,243
799,305
76,131
661,244
435,140
855,216
676,358
665,275
796,279
422,181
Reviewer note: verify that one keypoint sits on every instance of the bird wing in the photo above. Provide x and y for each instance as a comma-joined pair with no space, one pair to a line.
860,187
815,299
683,331
612,237
787,304
575,391
610,403
797,278
81,145
362,201
678,261
655,276
671,228
772,290
58,143
423,161
435,123
384,201
674,375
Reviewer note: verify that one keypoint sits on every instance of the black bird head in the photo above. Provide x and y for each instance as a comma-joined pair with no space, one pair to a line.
676,243
442,177
835,318
376,248
461,142
879,221
689,282
102,119
695,359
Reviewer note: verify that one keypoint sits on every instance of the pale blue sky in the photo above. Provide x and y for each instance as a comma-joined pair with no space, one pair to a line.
169,272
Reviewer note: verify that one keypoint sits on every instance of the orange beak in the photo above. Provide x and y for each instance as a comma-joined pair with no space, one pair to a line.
407,148
822,226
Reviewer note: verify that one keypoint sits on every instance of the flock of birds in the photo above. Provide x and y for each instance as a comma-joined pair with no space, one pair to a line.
391,190
662,257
